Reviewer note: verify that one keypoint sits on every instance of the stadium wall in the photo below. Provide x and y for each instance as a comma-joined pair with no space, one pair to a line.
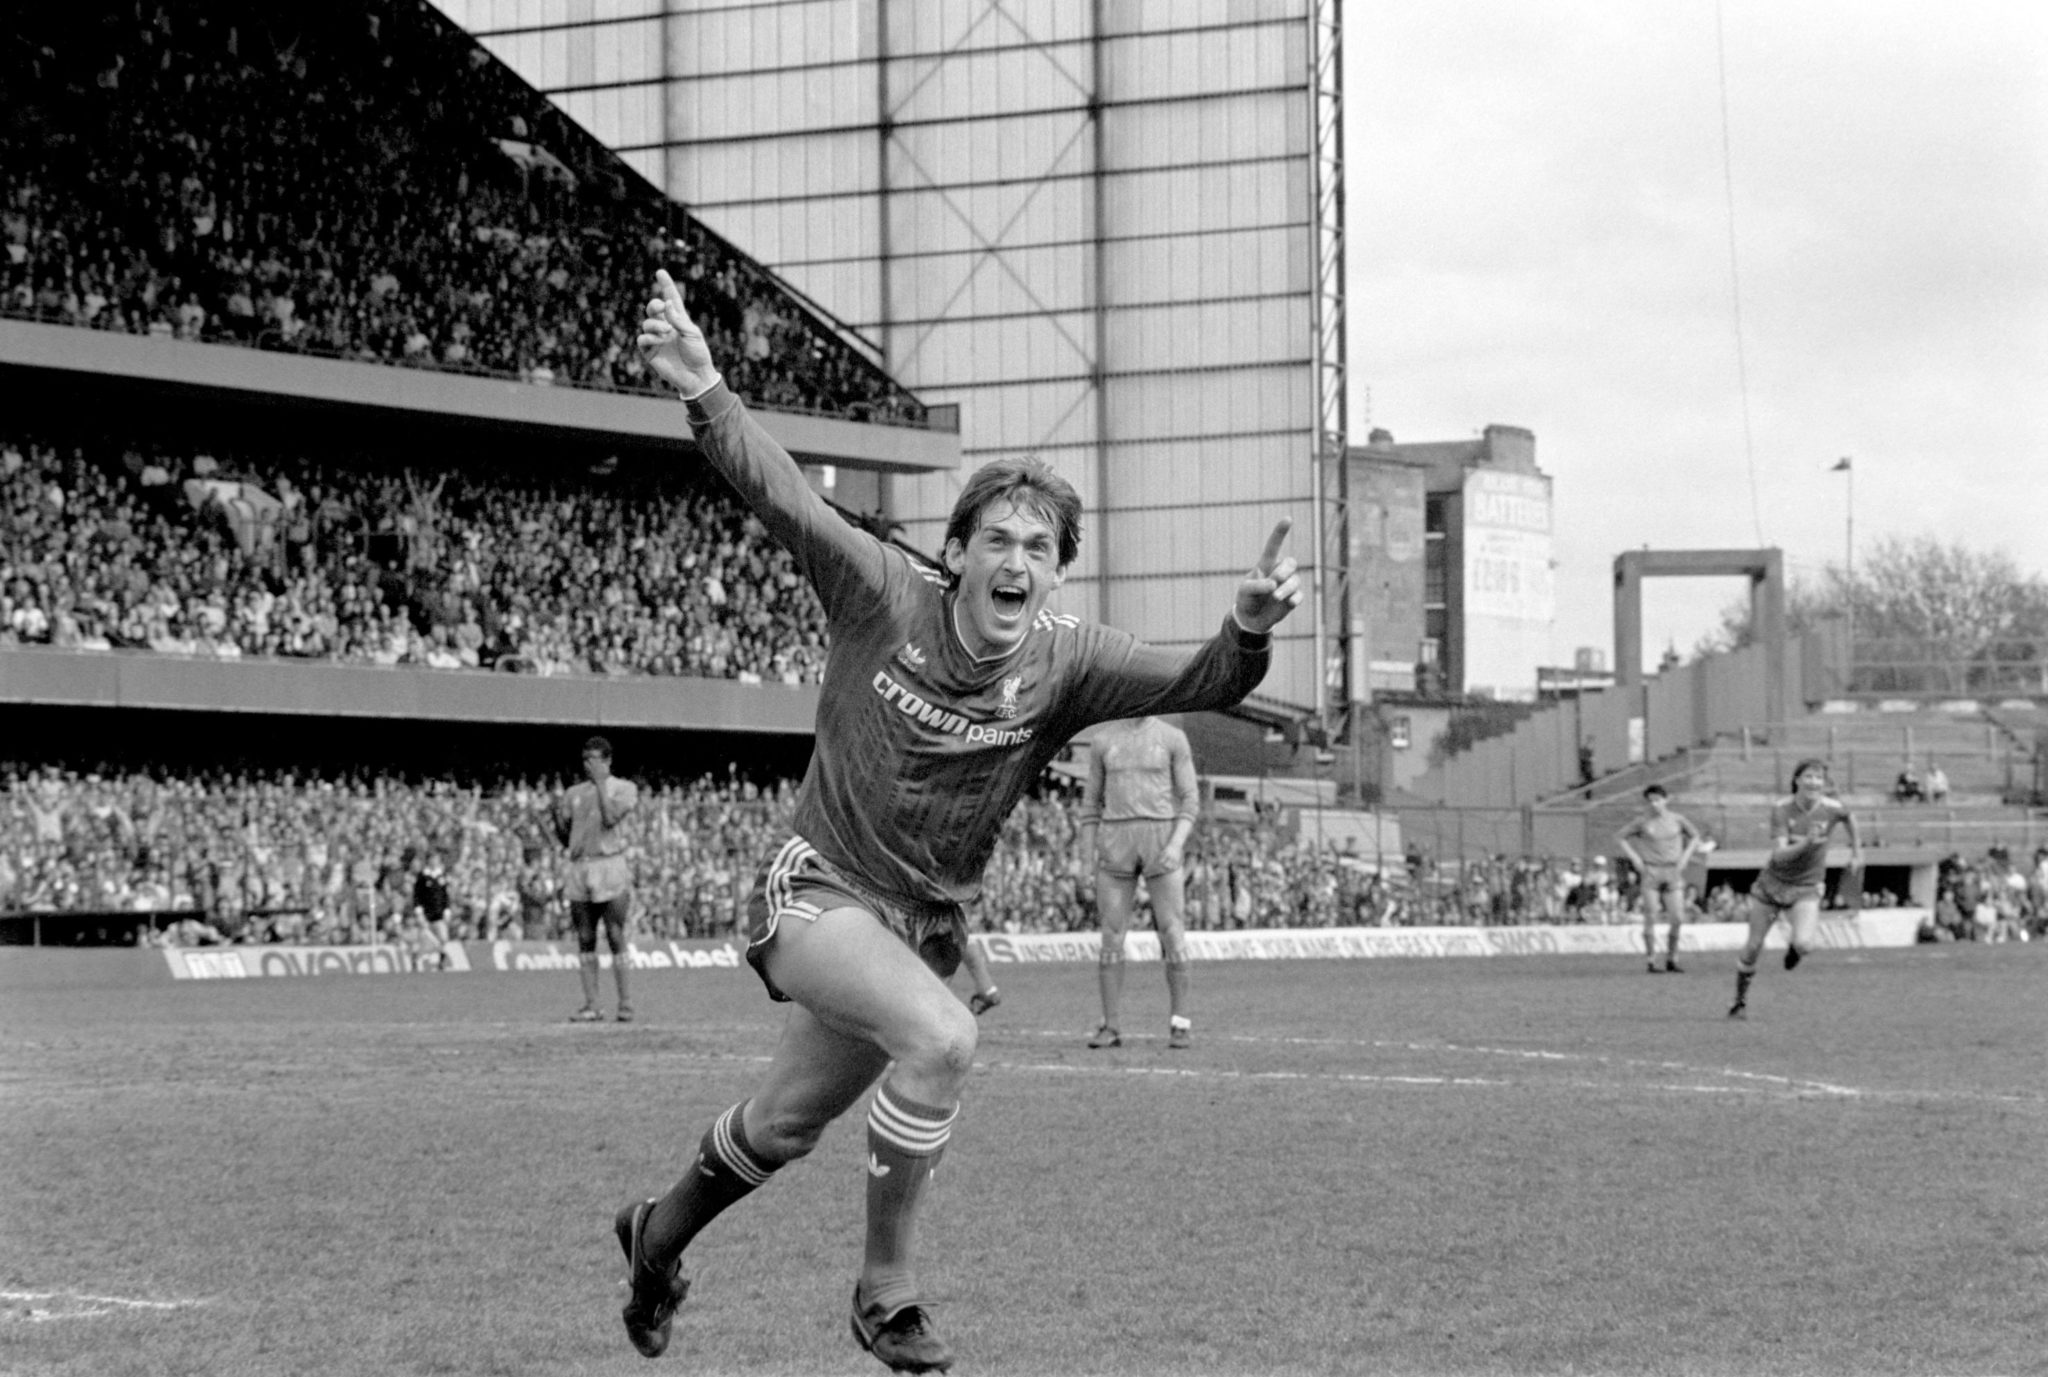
1625,725
43,968
115,679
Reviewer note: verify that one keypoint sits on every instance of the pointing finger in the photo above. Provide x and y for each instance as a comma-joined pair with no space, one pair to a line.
1273,544
670,293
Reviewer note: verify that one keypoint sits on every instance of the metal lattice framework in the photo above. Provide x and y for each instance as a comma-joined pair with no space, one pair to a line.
1342,643
1111,233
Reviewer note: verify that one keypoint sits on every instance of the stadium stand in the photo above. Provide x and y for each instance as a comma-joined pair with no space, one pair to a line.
283,856
357,558
361,181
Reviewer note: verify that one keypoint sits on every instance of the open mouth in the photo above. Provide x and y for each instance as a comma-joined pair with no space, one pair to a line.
1009,601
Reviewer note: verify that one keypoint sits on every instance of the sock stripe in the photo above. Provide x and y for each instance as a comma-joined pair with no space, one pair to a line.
733,1157
909,1130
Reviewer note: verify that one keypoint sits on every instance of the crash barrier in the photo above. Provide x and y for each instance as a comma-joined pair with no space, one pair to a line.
56,967
1874,928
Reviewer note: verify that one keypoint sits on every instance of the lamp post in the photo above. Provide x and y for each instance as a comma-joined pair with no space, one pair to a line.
1845,467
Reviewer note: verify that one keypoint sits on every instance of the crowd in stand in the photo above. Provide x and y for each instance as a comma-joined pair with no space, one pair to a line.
362,182
111,545
1993,898
278,857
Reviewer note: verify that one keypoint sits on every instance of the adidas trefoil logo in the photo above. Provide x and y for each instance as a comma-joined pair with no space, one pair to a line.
875,1167
910,657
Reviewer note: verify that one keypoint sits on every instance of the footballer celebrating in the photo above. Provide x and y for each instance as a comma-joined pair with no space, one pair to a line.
1790,885
948,690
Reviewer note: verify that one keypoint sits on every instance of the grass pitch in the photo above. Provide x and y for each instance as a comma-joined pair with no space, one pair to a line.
1542,1165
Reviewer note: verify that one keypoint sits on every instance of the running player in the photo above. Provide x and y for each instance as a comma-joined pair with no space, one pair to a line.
947,691
1661,844
590,820
1790,885
1137,813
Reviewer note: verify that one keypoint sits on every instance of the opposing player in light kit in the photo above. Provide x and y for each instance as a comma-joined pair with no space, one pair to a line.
1137,813
1661,843
948,690
590,821
1790,885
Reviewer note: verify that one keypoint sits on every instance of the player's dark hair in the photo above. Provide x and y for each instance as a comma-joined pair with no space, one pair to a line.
1028,482
1811,763
1656,791
597,745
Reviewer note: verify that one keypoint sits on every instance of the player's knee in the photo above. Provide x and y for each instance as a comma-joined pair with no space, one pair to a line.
1173,946
1112,953
783,1135
943,1047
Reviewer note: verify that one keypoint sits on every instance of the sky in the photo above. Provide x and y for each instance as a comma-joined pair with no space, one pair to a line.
1539,197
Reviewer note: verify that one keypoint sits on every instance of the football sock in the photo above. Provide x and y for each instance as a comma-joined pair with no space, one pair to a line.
1742,979
905,1142
725,1170
1177,990
619,966
1111,971
586,971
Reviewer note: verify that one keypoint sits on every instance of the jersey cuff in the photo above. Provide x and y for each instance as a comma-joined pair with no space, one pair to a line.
708,405
1246,638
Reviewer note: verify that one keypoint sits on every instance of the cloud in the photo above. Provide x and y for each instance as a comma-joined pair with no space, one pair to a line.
1539,234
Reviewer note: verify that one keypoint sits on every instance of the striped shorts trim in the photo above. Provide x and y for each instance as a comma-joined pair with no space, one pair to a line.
798,882
1782,894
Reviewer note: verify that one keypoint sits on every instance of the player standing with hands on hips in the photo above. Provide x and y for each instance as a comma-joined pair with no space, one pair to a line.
589,821
948,690
1661,844
1137,813
1790,885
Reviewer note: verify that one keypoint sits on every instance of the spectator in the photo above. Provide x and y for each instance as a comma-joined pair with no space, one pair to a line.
1936,783
1908,788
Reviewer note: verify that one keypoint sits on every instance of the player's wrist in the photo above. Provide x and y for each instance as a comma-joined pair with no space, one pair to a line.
707,404
1249,636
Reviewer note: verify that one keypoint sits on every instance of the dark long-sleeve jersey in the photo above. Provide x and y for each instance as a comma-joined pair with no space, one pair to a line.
921,749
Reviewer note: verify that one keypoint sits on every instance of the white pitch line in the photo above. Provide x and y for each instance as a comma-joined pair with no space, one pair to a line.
1794,1087
79,1305
1353,1078
1789,1082
1788,1086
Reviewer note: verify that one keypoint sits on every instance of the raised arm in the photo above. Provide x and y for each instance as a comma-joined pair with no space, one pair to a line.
1129,678
844,565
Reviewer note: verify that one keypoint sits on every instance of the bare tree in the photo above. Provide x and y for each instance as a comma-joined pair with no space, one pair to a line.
1927,617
